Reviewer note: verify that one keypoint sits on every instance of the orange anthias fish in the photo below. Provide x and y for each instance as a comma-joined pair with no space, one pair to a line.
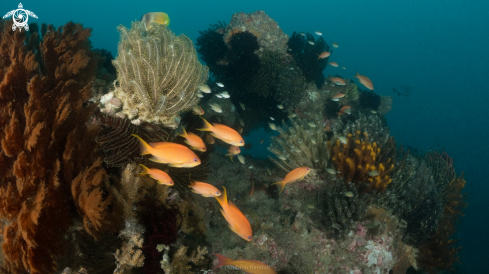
198,110
338,96
235,218
365,81
204,189
337,81
159,175
345,109
174,155
225,133
323,55
233,150
194,141
248,266
333,64
293,176
209,139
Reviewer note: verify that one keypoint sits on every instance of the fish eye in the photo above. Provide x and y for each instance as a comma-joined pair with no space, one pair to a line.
195,160
249,237
307,168
241,141
218,192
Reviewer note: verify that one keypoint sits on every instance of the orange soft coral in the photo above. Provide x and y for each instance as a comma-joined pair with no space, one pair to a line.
45,142
357,158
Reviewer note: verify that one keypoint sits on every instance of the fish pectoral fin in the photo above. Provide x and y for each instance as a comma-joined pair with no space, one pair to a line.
177,165
156,160
213,135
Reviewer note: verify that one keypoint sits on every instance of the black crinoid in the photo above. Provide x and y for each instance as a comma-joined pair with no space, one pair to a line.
118,146
306,49
369,100
212,49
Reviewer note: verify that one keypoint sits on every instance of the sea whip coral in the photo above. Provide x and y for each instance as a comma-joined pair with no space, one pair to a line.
44,87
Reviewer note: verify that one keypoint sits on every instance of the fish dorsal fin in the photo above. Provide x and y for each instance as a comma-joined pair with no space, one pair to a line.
223,199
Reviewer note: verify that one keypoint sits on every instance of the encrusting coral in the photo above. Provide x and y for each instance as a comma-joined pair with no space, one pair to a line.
158,74
46,143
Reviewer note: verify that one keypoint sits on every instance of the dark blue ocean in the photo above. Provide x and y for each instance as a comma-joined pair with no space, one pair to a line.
439,49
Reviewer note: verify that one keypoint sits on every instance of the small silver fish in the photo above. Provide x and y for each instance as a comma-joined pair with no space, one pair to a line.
348,194
311,42
242,106
268,171
204,88
220,84
301,33
311,124
271,118
241,159
343,67
219,96
313,141
280,107
273,126
291,68
200,95
342,139
282,157
373,112
373,173
215,107
318,33
251,167
225,94
241,122
331,171
292,115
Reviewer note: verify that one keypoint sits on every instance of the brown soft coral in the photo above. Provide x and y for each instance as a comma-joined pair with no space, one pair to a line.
46,141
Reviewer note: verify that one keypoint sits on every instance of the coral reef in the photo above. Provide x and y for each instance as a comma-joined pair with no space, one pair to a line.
130,255
359,161
48,141
306,55
385,105
157,74
302,144
270,35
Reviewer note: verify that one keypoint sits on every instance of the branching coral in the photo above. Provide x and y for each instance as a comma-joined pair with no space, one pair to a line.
46,142
302,144
359,160
158,74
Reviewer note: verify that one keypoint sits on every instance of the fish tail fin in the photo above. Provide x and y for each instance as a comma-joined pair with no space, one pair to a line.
222,260
223,199
145,170
281,185
207,125
182,132
145,148
358,75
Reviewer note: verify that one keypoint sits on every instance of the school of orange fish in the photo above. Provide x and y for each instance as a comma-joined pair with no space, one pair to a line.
180,156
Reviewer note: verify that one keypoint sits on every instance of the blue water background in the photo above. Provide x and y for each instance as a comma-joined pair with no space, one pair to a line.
439,48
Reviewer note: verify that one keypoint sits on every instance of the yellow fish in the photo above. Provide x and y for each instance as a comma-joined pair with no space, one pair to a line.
204,189
174,155
225,133
293,176
191,139
155,17
235,218
248,266
159,175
